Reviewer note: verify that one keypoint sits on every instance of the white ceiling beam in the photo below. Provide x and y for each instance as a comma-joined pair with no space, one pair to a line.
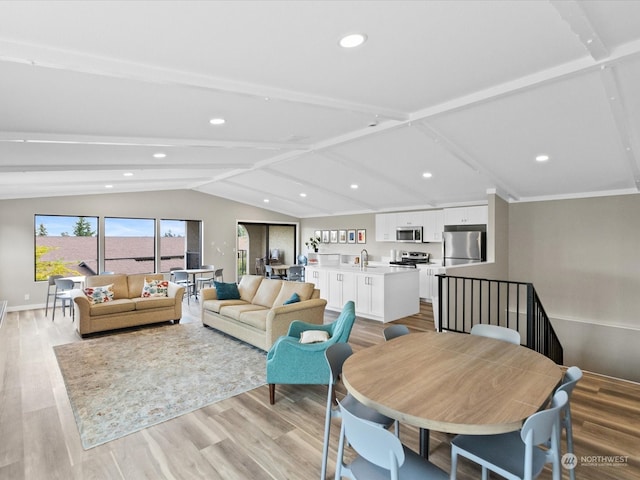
308,181
46,57
73,139
365,171
459,153
251,191
628,139
572,12
130,167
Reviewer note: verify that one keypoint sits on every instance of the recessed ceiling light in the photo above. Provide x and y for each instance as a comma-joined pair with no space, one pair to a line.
427,175
303,194
354,186
353,40
128,174
542,158
159,155
108,186
217,121
266,200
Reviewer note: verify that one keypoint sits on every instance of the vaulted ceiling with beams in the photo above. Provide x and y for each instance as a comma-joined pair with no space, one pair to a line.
444,101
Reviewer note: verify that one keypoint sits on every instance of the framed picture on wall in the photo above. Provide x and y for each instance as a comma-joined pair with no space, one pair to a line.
317,234
325,236
334,236
362,236
342,236
351,236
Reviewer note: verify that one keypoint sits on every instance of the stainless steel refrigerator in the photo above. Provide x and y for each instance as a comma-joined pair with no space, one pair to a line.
459,248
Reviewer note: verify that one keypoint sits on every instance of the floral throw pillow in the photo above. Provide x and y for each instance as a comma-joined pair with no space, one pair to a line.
155,288
99,294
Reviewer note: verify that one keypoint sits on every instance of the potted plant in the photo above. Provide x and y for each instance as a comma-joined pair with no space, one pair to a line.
313,242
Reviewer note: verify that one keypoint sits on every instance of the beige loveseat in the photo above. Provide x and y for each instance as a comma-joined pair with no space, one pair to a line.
128,308
259,317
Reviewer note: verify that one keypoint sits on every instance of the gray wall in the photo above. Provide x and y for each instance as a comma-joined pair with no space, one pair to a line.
17,242
583,257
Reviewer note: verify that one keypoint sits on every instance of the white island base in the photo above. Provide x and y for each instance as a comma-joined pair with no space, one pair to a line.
379,293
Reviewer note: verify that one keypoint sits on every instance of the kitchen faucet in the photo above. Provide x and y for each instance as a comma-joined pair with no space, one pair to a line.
364,259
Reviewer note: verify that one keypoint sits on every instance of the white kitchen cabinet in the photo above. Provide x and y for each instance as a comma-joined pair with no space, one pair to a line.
466,215
386,227
429,281
433,223
409,219
370,295
319,277
342,288
380,293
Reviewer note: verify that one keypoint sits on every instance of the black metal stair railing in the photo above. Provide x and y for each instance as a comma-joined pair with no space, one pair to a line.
465,301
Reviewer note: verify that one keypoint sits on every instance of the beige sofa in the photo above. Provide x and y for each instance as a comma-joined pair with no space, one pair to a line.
128,308
259,317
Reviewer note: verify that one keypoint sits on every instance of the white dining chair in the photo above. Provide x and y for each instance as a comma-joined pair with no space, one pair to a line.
51,291
381,455
497,332
516,455
394,331
182,278
389,333
336,355
201,281
571,378
63,294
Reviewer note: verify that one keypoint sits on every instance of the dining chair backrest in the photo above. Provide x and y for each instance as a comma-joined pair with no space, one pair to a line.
336,355
180,276
372,442
296,273
497,332
541,427
218,276
571,377
394,331
268,271
51,291
63,285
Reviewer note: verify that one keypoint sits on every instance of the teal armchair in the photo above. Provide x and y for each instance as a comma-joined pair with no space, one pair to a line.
292,362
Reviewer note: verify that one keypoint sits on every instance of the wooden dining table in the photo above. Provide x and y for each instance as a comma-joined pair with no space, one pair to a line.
452,382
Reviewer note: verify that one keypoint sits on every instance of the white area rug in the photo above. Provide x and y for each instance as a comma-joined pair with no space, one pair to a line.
125,382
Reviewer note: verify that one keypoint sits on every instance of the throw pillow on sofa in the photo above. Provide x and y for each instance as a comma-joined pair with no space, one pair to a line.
155,288
99,294
295,298
227,291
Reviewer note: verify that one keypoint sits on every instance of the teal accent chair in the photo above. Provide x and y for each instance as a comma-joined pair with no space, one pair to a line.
291,362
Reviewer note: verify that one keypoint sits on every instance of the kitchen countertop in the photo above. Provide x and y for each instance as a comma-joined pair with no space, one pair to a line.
371,270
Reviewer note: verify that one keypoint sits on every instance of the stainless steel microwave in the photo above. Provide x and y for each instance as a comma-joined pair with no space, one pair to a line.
409,234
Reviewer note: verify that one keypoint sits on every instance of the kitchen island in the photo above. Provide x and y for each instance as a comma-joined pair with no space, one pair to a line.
380,292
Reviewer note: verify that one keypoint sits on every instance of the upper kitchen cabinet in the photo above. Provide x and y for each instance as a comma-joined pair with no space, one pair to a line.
386,227
410,219
433,223
466,215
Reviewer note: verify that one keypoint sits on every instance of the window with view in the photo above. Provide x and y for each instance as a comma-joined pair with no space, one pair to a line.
129,245
65,245
172,244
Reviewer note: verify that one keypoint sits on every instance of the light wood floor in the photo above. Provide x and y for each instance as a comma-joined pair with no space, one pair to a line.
244,437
